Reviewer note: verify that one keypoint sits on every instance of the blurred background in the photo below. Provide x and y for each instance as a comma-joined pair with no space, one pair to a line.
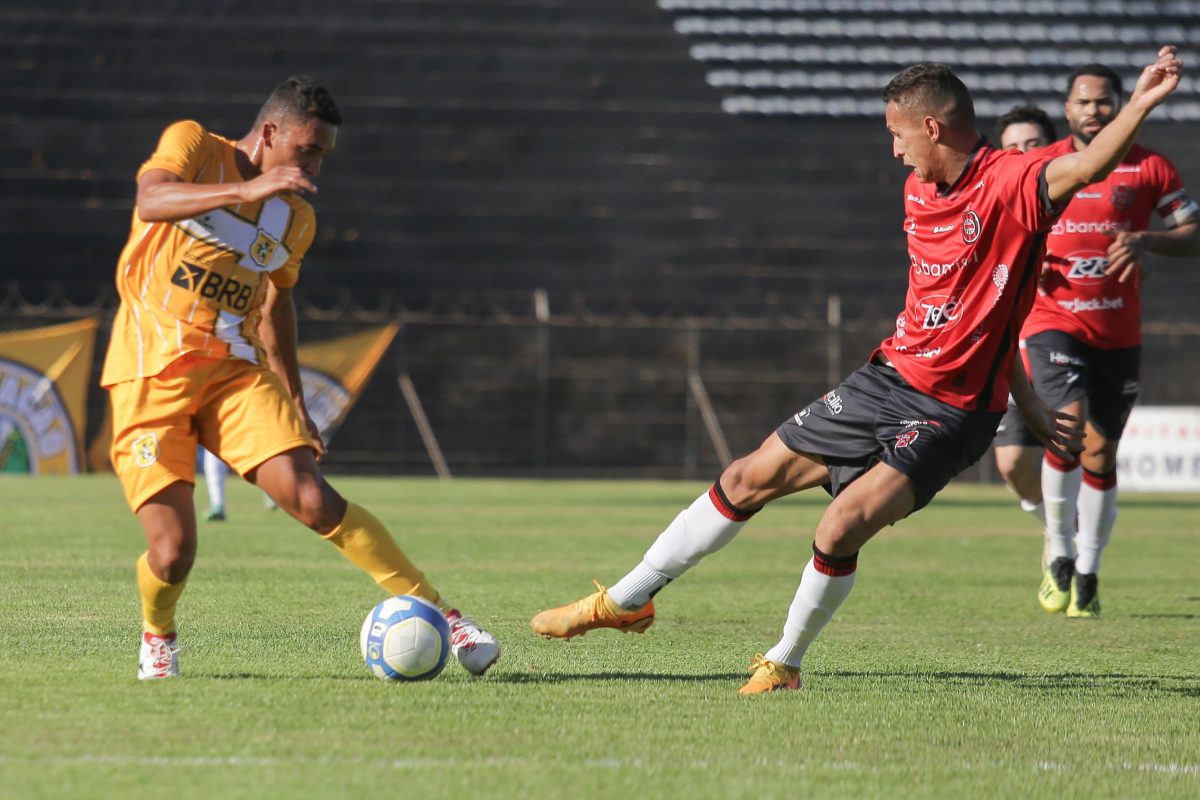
620,237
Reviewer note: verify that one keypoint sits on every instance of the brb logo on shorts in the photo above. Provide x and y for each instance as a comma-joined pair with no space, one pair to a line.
1087,267
939,311
971,228
907,438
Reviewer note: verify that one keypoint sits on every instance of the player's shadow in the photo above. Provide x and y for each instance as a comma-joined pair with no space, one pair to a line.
657,677
262,676
1060,683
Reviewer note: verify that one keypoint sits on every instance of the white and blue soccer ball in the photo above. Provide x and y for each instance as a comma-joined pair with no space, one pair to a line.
405,638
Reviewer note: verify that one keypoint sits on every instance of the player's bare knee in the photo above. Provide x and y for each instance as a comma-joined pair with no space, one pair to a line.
318,506
173,561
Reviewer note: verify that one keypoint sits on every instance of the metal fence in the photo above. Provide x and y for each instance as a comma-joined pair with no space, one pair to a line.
515,384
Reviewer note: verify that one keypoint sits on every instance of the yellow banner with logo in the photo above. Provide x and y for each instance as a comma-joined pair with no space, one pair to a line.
334,373
44,379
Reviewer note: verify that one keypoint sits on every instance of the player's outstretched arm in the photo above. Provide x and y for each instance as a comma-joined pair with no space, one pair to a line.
1060,433
162,196
1066,174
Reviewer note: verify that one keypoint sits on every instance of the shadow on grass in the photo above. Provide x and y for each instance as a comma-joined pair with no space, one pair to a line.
1064,682
1165,616
569,677
263,676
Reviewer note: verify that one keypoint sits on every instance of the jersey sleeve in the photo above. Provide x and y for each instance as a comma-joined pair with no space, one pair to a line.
1174,206
1025,193
298,239
180,151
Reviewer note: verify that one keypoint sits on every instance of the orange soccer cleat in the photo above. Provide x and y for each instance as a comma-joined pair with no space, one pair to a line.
770,677
591,612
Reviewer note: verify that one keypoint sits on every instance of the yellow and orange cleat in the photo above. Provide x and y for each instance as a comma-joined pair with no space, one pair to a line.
591,612
770,677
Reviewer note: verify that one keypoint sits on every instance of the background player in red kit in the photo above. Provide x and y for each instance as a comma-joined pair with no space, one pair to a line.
1018,452
1083,339
927,403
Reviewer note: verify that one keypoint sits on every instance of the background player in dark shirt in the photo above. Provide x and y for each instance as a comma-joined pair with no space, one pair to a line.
927,404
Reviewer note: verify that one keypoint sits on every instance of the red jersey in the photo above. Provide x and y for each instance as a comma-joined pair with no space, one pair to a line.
974,249
1075,296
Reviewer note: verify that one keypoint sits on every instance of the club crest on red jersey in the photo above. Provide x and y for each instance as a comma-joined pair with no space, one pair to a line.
971,227
1121,197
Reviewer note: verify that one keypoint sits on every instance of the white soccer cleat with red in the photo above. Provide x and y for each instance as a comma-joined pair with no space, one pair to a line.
475,648
159,657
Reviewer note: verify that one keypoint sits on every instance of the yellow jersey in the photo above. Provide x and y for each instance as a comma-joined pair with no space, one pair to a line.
197,285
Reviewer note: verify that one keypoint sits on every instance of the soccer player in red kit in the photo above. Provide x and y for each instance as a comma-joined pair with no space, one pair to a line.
1018,452
1083,337
927,403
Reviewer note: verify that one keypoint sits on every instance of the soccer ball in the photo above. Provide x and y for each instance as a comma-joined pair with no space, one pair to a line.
405,638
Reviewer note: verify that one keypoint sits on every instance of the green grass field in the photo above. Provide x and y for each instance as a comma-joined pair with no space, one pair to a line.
940,677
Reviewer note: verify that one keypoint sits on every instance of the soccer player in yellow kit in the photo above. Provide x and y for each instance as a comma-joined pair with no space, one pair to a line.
203,352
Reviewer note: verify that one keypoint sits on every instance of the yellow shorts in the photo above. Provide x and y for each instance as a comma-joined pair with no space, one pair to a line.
239,411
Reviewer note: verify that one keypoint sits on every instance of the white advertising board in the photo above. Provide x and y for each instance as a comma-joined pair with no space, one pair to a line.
1160,450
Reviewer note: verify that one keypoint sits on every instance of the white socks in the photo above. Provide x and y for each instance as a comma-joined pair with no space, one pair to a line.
824,586
1097,516
704,527
215,472
1060,494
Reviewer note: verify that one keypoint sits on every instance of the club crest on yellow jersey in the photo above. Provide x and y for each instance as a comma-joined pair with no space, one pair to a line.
263,249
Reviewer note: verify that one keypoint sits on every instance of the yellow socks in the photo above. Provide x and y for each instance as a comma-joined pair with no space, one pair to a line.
367,544
158,598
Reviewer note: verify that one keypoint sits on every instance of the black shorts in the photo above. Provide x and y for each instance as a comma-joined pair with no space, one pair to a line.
874,416
1014,430
1064,369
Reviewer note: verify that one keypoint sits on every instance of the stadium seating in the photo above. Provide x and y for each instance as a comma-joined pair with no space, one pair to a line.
713,157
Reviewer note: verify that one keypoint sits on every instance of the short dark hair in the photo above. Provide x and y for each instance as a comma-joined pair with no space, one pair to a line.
933,89
301,97
1026,112
1096,71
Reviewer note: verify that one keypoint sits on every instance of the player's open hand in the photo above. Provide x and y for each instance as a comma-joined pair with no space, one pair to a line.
277,180
1123,255
1059,432
1158,79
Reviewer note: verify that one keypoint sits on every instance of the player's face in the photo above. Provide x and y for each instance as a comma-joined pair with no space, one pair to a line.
1091,104
1023,136
304,144
910,141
